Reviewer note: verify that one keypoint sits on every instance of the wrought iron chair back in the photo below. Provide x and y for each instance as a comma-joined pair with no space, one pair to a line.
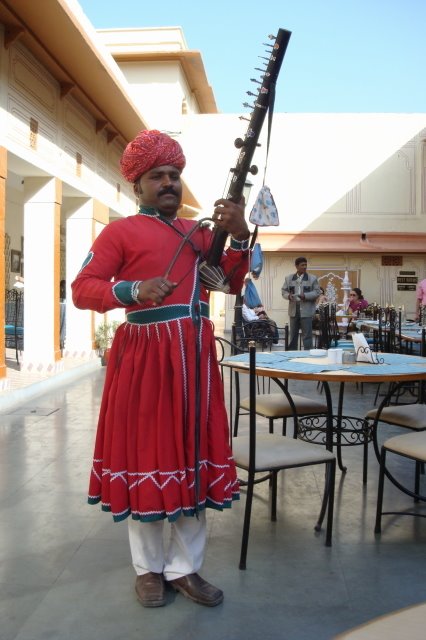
328,327
263,332
14,321
268,454
389,338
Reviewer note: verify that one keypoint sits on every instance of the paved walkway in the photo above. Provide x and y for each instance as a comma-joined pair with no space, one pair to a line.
65,569
22,385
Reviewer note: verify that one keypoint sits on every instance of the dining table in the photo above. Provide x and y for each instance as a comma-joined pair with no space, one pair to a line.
336,430
410,331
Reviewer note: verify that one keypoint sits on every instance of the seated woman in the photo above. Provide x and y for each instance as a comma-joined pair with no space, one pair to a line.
357,304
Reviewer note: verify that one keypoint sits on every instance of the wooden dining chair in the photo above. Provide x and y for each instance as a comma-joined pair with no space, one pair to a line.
411,446
269,453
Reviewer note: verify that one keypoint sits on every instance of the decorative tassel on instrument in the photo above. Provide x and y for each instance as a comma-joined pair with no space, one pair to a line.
211,274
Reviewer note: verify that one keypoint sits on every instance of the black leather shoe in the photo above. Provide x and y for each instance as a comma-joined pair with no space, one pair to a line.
198,590
150,589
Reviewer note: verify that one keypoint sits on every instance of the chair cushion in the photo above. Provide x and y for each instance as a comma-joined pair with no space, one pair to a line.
408,444
411,416
277,452
405,623
276,405
9,330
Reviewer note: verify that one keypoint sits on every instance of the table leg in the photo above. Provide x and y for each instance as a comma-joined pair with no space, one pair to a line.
339,427
329,428
338,430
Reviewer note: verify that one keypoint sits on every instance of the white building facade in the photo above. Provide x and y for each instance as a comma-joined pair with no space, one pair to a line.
350,188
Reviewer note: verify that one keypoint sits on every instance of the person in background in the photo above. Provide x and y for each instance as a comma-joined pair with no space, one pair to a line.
251,315
301,290
420,298
162,450
258,314
62,290
356,304
322,298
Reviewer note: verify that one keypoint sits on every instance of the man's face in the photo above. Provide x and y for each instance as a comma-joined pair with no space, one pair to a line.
160,188
301,267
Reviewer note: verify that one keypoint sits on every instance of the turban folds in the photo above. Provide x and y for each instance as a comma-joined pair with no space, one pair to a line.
148,150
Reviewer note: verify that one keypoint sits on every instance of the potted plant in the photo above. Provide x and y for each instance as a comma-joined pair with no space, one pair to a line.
104,336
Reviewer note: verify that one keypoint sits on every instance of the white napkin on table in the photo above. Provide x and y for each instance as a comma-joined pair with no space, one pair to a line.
362,349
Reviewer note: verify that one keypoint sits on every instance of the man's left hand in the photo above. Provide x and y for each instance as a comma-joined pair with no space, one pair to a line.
229,216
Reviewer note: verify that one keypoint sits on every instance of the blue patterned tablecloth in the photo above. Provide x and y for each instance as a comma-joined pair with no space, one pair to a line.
409,329
389,363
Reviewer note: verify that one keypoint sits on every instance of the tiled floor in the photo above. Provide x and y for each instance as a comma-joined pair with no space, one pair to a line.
65,569
23,384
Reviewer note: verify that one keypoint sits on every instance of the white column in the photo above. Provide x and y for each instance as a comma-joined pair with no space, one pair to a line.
85,218
346,287
3,178
42,210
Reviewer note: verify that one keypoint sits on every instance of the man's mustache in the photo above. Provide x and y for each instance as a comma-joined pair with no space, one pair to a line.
166,191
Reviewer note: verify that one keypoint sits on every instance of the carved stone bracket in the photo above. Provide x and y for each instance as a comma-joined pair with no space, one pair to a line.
111,135
100,125
12,33
66,87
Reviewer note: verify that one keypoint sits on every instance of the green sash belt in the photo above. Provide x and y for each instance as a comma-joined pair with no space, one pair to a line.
166,313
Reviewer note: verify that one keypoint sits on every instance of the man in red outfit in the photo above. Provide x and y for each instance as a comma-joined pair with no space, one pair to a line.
162,445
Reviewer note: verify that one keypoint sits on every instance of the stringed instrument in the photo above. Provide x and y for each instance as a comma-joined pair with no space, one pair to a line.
211,275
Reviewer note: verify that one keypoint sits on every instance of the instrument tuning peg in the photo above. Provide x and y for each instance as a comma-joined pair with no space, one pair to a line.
248,106
250,93
254,80
272,37
266,44
261,70
253,169
243,118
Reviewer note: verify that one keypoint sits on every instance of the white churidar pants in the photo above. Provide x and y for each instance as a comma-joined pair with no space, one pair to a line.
184,553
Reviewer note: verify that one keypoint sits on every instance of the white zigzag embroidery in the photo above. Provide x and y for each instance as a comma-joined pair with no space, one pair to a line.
136,478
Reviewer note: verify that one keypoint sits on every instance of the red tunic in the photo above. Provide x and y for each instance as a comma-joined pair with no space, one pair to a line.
145,445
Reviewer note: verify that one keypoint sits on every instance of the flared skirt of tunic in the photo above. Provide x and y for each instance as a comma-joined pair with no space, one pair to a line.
144,459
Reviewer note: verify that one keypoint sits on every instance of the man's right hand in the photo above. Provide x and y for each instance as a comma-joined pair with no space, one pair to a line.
155,289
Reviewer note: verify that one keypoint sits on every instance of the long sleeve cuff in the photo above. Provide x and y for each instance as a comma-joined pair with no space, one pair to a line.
239,245
126,291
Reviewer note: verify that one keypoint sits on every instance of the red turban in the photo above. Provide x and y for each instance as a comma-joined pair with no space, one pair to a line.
148,150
